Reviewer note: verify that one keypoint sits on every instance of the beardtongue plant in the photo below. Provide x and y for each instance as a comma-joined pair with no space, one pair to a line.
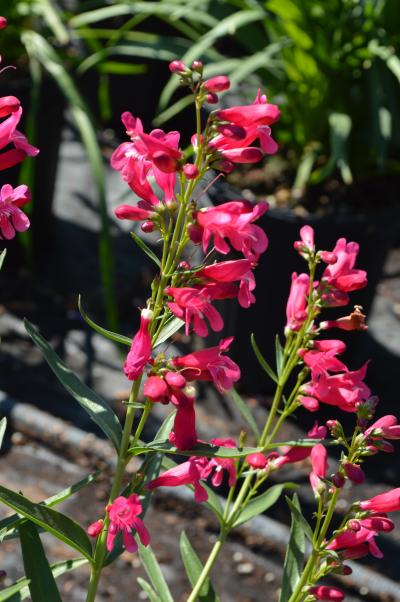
308,372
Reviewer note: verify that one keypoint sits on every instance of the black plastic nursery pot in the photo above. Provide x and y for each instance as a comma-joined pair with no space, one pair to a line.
375,232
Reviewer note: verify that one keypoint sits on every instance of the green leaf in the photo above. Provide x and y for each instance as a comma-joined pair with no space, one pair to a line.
146,587
171,327
3,426
245,412
54,522
294,559
201,449
59,568
262,502
140,243
2,257
193,567
54,20
8,592
295,509
42,584
99,411
108,334
278,355
8,524
154,573
262,361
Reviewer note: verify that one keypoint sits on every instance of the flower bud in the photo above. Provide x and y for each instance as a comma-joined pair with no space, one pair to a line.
183,265
3,22
354,472
346,570
212,98
190,170
197,66
338,480
195,233
95,529
177,67
354,525
219,83
175,379
324,592
147,227
257,460
328,257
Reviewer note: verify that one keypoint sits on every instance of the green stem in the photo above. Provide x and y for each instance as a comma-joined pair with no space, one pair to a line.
207,567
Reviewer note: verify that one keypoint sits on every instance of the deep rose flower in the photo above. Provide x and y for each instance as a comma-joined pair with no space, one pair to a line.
306,244
11,109
298,453
388,501
183,434
187,473
296,307
319,463
218,83
231,271
132,213
12,219
387,426
124,516
234,221
351,539
192,305
140,350
354,472
324,592
341,275
218,465
210,364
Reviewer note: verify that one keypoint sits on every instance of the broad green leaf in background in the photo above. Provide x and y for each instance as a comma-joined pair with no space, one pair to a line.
294,559
54,522
245,412
193,566
154,572
108,334
262,361
262,502
99,411
39,49
42,585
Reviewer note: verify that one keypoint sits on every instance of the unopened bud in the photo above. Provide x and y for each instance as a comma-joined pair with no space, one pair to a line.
328,257
183,265
195,233
338,480
354,525
197,66
3,22
190,170
346,569
219,83
354,472
95,529
175,379
147,227
212,98
177,67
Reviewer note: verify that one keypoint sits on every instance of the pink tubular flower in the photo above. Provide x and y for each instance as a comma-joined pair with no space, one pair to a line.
133,213
12,219
324,592
387,426
389,501
140,350
210,364
192,304
334,345
319,466
11,109
156,152
184,435
355,321
341,275
353,539
124,516
230,271
187,473
306,244
296,307
234,221
218,465
298,453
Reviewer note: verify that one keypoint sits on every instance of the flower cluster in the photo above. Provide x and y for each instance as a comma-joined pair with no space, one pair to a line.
12,218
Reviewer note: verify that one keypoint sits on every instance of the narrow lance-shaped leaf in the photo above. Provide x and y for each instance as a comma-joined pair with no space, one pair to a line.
146,587
99,411
294,559
54,522
42,585
171,327
2,257
201,449
11,592
262,502
245,412
295,509
262,361
3,426
142,245
193,568
108,334
154,572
